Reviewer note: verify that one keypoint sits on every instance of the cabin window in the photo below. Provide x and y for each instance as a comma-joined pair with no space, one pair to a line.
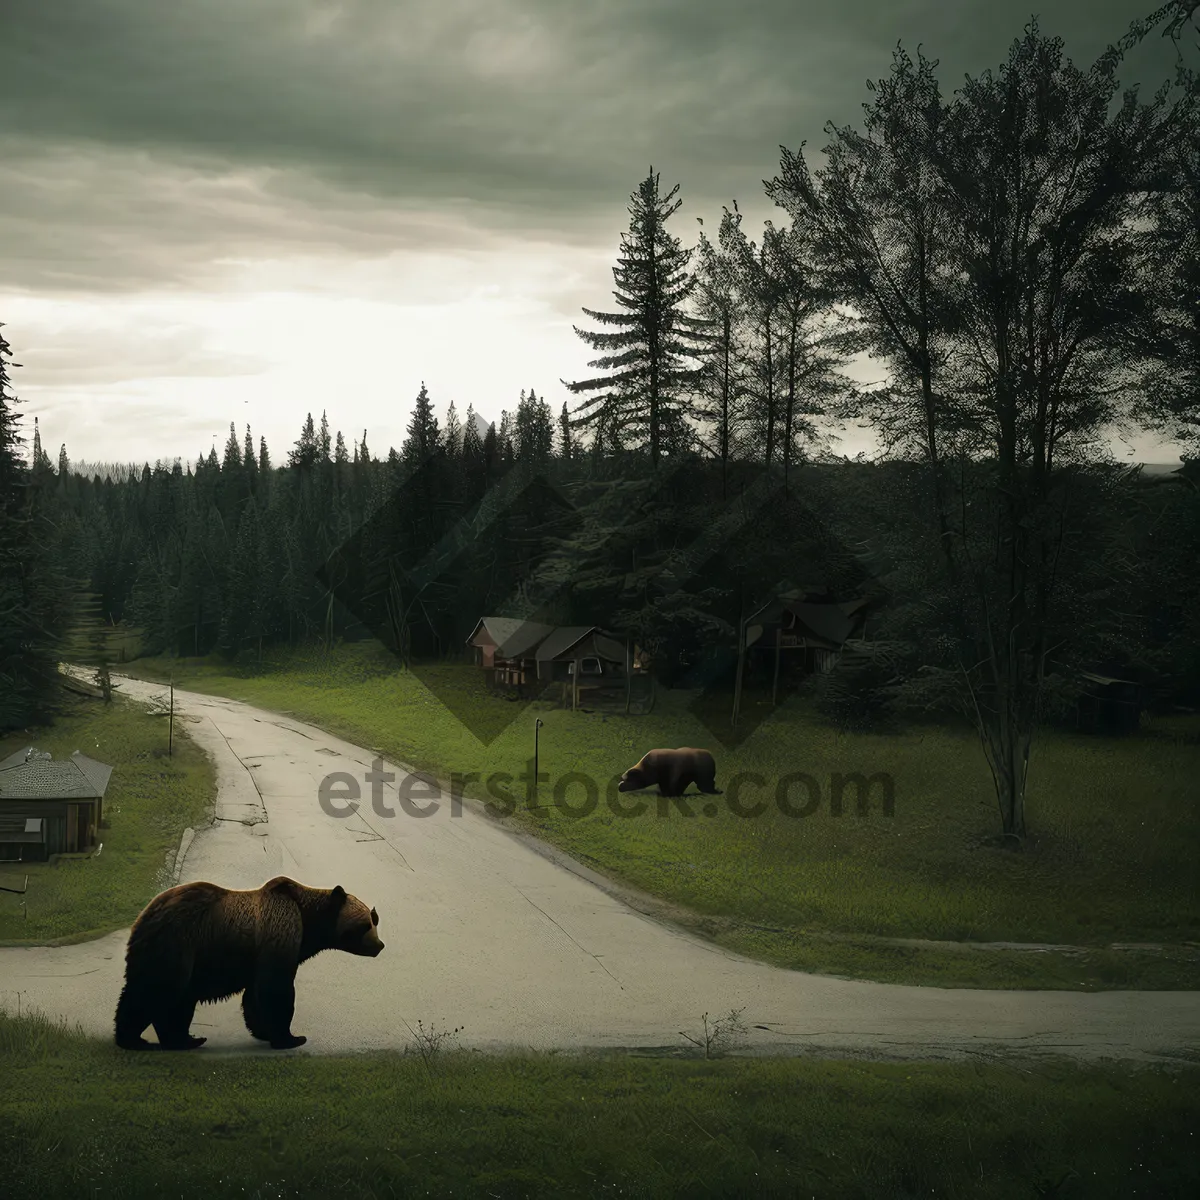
587,666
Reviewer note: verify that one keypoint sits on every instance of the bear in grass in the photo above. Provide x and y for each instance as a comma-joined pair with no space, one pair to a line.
199,943
673,771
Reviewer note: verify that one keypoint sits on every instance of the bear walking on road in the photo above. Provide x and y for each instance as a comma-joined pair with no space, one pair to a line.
199,943
673,771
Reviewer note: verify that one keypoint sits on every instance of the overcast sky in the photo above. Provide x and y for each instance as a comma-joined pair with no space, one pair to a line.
245,210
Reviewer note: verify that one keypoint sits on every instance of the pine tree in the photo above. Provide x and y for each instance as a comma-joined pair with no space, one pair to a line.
473,472
424,437
491,457
719,302
306,451
323,442
250,463
533,431
454,433
646,399
232,462
41,460
31,598
566,442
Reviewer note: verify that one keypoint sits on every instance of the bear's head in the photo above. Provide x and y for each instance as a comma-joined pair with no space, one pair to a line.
633,780
357,925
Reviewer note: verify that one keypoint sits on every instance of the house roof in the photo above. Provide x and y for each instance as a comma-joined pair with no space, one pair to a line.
25,777
512,636
561,640
831,623
1104,680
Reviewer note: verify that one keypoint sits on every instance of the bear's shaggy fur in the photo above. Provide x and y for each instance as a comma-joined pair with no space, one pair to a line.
673,771
199,943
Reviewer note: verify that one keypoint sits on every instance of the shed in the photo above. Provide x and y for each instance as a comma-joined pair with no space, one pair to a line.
49,807
1108,705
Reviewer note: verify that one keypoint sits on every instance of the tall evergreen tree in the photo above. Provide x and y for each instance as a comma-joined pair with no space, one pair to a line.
648,400
533,431
424,438
307,449
232,461
31,596
566,443
719,302
454,432
324,445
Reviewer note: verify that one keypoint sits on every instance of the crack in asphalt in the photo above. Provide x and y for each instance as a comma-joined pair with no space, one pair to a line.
582,948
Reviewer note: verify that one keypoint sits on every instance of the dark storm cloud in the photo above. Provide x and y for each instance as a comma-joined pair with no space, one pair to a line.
146,140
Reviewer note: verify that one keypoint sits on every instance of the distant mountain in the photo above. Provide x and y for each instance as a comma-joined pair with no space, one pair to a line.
481,425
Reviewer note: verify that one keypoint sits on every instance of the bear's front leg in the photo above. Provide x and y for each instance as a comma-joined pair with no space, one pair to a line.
274,1004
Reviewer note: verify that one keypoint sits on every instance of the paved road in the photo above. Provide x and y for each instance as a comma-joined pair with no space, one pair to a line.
486,933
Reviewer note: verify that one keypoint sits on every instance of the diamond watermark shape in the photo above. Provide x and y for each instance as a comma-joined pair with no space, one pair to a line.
368,574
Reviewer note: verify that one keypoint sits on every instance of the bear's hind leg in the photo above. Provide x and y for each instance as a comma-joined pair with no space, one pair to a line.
174,1025
253,1020
131,1022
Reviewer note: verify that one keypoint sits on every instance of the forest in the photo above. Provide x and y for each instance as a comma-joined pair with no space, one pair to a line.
1022,261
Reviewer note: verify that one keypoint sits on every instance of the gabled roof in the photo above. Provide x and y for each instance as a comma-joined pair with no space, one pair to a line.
561,640
830,623
565,639
42,778
512,636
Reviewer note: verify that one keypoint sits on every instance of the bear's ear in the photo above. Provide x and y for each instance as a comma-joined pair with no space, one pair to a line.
337,895
374,917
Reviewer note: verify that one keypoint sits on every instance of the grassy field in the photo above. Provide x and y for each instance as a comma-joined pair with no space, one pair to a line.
150,800
1117,826
79,1118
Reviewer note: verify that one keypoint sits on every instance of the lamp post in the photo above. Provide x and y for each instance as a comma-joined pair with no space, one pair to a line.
537,724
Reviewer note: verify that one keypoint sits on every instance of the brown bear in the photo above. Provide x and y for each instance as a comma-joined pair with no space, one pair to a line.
199,943
673,770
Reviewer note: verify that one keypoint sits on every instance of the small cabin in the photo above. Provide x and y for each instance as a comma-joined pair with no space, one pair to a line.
583,650
813,629
504,647
49,806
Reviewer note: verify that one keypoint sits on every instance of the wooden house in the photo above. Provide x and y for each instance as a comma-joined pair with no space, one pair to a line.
504,647
809,625
588,662
49,807
585,651
580,658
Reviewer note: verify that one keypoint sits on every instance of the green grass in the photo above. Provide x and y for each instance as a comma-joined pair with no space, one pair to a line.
1117,826
151,799
79,1117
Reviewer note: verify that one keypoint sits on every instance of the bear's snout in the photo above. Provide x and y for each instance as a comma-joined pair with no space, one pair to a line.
375,949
